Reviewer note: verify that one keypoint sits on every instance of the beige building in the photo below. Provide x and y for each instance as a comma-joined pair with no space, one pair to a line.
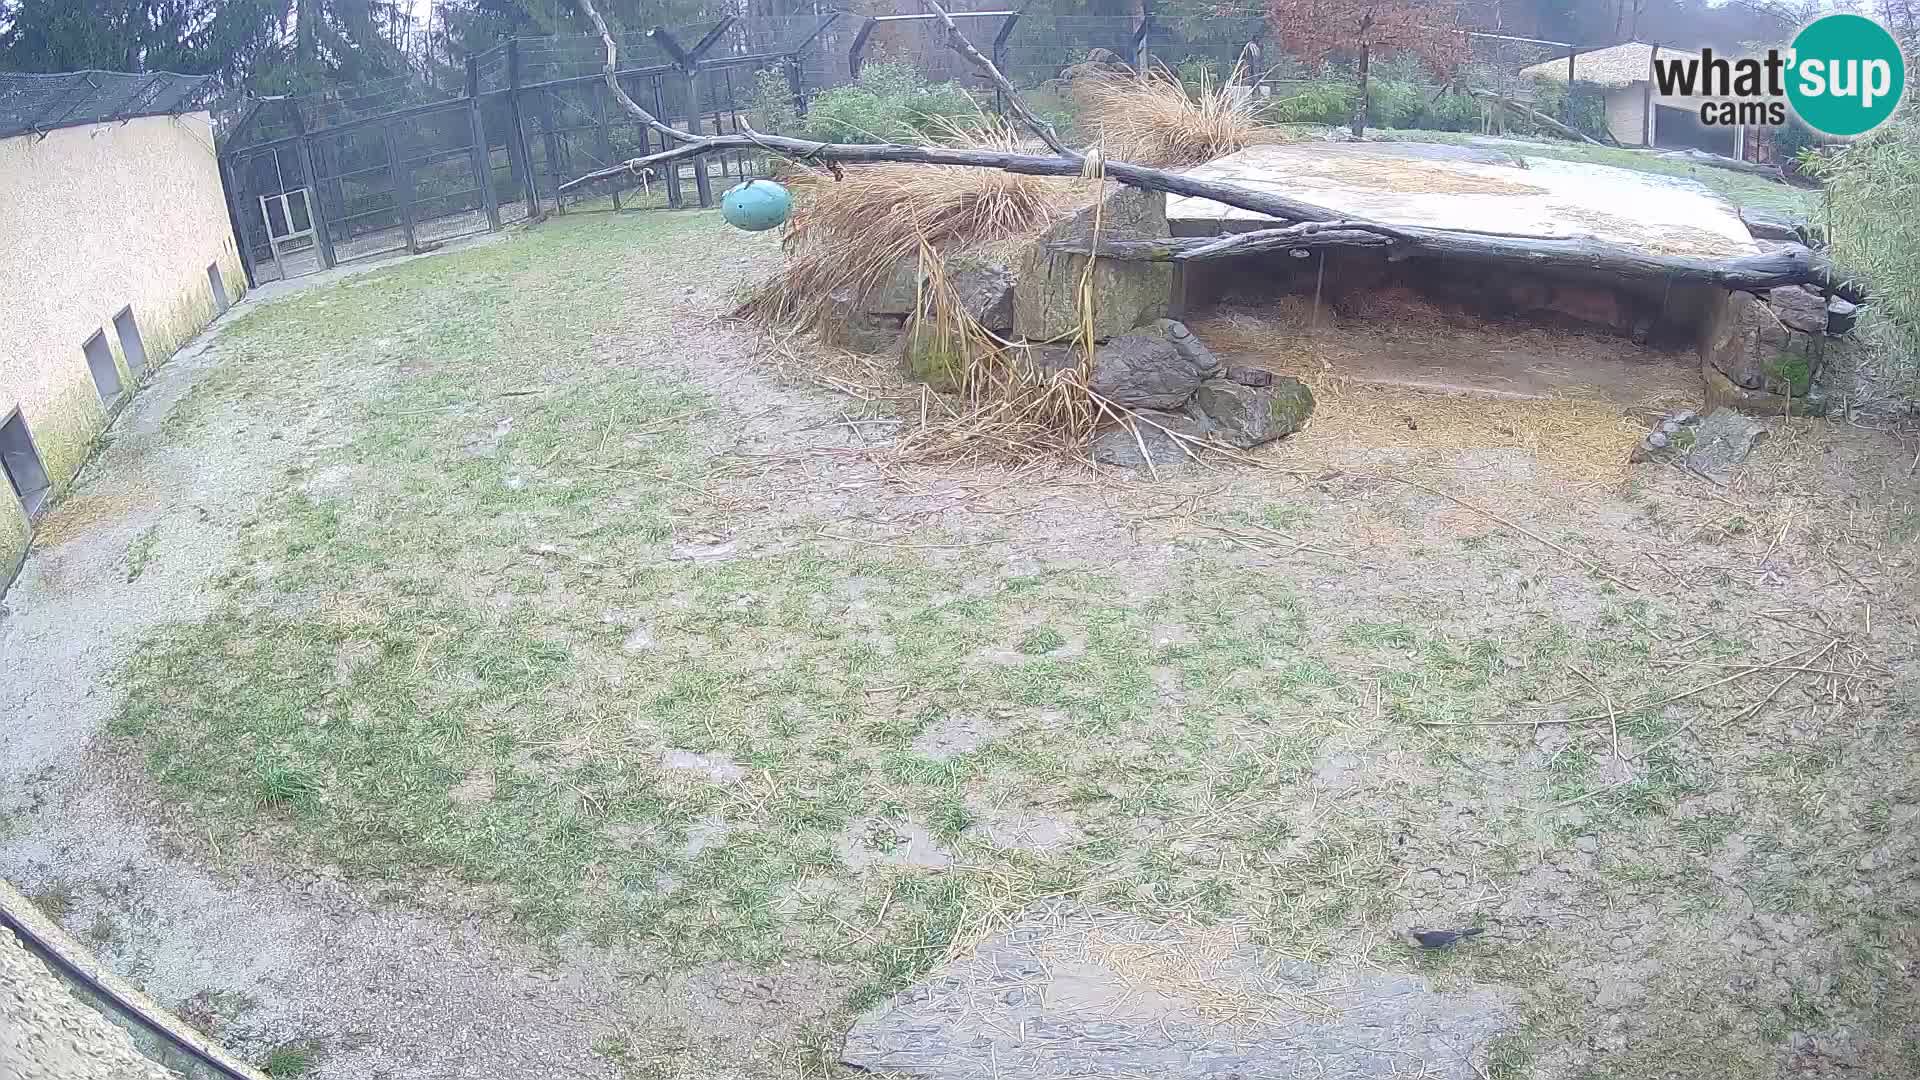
115,250
1637,113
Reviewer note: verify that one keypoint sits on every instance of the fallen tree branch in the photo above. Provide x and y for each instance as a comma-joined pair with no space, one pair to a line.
1721,161
1749,273
1539,117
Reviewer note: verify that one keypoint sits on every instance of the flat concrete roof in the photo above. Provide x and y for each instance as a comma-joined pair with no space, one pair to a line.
1488,188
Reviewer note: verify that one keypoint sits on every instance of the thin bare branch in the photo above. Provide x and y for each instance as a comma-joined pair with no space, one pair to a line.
1027,116
611,68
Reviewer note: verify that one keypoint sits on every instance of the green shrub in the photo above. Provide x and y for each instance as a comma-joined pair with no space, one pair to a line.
1198,71
770,105
1451,112
890,103
1395,104
1325,102
1869,183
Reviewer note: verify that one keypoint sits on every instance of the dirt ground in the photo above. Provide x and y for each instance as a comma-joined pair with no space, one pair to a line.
485,666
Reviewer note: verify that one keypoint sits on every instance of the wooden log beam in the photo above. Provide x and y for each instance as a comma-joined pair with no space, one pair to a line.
1752,273
807,152
1721,161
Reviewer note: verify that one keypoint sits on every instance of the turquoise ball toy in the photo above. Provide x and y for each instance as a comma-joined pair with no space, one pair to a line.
756,206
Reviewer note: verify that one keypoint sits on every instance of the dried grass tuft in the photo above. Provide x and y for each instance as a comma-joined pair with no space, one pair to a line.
848,234
1154,119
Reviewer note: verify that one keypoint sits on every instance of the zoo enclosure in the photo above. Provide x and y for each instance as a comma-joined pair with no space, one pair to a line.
403,164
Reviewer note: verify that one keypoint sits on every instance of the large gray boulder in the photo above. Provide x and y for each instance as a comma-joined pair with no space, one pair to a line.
1046,300
984,288
1247,416
1094,994
1120,446
847,325
1721,442
1798,309
898,293
1155,367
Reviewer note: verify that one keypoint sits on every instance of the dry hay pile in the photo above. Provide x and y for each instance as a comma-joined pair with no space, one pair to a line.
1579,439
849,232
1154,119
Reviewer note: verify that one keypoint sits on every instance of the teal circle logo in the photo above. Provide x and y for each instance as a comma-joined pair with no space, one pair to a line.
1847,75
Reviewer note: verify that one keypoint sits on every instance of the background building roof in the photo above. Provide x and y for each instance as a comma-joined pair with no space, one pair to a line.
1617,65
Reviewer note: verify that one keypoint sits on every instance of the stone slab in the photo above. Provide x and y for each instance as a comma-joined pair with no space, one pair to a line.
1079,993
1483,189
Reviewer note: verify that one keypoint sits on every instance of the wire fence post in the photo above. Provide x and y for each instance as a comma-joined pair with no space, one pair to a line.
482,154
231,180
517,131
316,206
1000,60
702,183
317,201
402,177
604,136
674,199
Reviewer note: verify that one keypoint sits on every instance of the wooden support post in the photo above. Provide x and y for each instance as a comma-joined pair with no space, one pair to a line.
605,148
480,152
702,183
517,131
402,175
1137,54
1647,122
1566,106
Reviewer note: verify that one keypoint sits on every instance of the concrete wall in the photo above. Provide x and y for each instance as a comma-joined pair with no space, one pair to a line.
1627,114
94,219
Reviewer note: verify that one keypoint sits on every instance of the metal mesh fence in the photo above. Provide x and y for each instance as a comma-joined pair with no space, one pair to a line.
40,103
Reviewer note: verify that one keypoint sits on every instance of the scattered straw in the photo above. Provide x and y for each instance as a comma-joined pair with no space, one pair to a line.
1354,421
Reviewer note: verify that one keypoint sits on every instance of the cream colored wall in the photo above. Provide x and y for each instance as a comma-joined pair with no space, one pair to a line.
1626,114
93,219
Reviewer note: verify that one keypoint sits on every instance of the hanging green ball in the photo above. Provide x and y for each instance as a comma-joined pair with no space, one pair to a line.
756,206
